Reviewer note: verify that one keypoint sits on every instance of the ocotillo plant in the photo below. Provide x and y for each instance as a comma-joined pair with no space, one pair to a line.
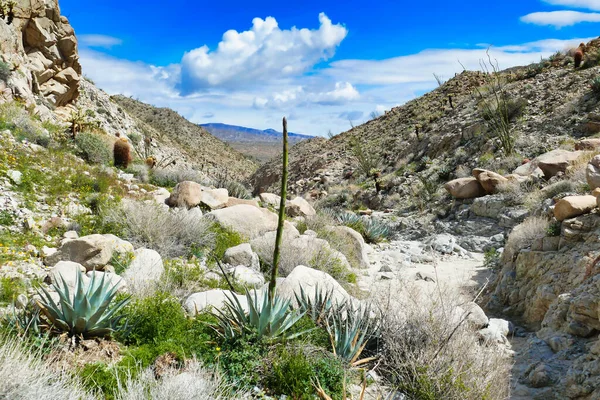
284,176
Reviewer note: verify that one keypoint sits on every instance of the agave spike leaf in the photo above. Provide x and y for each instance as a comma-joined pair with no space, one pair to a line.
271,319
87,311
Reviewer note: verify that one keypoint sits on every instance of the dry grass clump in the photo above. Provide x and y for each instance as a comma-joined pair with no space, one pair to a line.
429,350
536,197
23,375
170,177
172,233
194,382
524,234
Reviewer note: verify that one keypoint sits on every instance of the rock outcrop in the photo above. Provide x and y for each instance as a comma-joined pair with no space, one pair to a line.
41,49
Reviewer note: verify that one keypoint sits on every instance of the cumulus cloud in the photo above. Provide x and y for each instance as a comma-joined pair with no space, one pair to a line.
560,19
101,41
587,4
262,54
420,67
341,93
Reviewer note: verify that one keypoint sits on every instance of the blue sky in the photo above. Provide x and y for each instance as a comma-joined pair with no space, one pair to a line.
317,62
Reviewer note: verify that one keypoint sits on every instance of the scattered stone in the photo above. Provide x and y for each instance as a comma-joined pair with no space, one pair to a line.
270,199
186,194
299,208
199,302
311,279
250,222
248,276
232,201
424,276
215,199
465,188
572,206
489,180
556,161
93,251
15,176
592,173
145,270
242,255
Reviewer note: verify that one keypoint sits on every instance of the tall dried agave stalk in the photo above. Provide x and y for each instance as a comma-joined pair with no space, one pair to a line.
284,177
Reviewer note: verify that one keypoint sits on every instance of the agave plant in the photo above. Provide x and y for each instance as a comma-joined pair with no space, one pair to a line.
23,322
317,307
87,311
350,330
350,220
375,231
270,319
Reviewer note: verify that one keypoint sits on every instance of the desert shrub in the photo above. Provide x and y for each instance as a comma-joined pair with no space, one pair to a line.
93,148
140,172
492,258
10,288
5,71
23,126
372,230
294,370
234,188
430,352
23,375
224,238
536,197
591,59
524,234
172,233
595,85
193,382
171,177
497,107
554,229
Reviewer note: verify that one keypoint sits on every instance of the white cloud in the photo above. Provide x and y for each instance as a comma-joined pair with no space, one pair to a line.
560,19
587,4
102,41
256,89
262,54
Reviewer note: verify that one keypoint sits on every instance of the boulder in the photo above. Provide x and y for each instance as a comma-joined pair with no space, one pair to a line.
93,251
242,255
355,239
477,317
214,198
186,194
250,222
68,270
489,206
160,195
270,199
299,208
529,169
112,278
204,301
489,180
592,173
588,144
232,201
310,280
247,276
465,188
556,161
299,250
573,206
145,270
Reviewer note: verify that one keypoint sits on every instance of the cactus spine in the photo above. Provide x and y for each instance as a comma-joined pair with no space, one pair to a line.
284,176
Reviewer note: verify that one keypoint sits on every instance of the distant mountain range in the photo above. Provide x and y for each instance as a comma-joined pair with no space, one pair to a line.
259,145
241,134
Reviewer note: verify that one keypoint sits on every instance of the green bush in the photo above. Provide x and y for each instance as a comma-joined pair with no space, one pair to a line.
293,371
10,289
93,148
5,71
595,85
241,359
224,239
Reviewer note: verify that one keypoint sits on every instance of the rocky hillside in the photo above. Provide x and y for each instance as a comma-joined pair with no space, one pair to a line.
202,149
443,132
39,56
